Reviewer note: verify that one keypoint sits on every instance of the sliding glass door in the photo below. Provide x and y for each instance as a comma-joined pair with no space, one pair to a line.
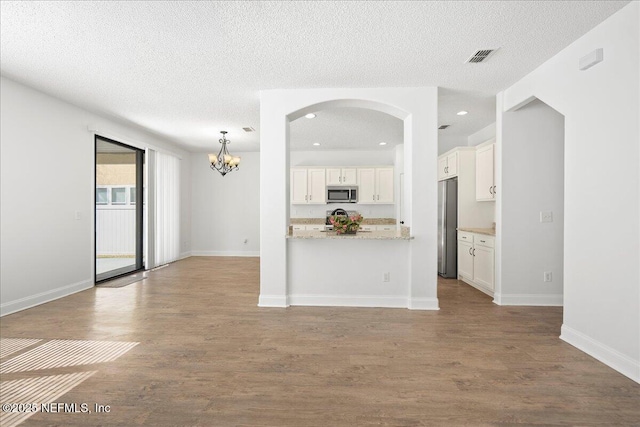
119,209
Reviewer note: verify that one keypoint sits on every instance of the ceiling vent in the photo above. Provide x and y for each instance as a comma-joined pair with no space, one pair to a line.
444,126
480,56
248,129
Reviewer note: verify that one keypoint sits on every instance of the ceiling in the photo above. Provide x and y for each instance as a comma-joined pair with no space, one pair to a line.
186,70
346,129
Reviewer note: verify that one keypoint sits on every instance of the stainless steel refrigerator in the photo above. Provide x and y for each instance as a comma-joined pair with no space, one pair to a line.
447,228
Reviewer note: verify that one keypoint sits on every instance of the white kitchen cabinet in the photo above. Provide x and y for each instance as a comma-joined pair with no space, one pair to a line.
485,184
307,227
375,185
308,186
342,176
298,186
447,166
483,265
385,227
476,260
465,260
366,185
384,185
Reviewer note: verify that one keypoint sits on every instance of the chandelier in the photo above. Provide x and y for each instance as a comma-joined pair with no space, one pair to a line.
224,162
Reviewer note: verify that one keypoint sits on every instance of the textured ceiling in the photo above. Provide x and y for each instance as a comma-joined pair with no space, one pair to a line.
186,70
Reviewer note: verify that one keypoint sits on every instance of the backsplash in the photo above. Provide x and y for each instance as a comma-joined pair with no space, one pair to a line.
319,211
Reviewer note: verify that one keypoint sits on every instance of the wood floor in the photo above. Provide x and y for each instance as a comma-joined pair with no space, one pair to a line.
208,356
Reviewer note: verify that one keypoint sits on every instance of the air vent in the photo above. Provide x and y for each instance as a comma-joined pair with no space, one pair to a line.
248,129
480,56
444,126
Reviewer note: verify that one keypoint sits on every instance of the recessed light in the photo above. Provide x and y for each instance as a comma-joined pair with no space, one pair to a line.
310,116
316,143
462,113
382,143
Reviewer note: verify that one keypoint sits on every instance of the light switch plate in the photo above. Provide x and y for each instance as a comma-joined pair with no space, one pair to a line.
546,216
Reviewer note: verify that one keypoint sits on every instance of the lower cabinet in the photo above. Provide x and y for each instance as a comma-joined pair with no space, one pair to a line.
376,227
308,227
363,227
476,260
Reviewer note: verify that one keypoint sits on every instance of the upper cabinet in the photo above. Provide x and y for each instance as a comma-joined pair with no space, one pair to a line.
375,185
485,184
342,176
447,166
384,185
308,186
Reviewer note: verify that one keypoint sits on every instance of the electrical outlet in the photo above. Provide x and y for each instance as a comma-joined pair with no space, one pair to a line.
546,216
386,277
547,276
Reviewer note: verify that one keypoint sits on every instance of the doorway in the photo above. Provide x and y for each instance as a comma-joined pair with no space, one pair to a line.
119,205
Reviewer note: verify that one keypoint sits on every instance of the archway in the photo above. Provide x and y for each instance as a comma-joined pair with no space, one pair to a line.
530,206
417,107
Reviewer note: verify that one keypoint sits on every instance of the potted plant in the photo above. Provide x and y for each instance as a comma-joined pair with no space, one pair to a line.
345,224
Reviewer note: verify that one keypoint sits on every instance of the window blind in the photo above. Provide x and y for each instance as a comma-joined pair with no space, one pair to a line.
167,208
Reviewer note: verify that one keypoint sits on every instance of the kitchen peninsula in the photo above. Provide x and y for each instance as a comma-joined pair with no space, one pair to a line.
366,269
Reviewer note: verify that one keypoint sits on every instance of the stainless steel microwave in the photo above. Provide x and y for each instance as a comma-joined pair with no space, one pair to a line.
342,194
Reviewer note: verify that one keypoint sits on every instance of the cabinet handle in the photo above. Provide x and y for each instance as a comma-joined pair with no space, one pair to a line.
374,197
482,241
491,190
306,199
339,179
310,197
470,249
494,190
378,197
474,251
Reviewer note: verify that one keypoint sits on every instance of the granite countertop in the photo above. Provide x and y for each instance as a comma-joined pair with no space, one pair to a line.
366,221
402,234
486,231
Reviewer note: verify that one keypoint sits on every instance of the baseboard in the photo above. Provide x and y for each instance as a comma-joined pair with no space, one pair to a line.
475,285
273,301
184,255
226,253
423,304
44,297
388,301
602,352
552,300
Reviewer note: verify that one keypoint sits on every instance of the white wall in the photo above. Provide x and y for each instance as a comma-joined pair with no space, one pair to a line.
602,185
226,210
47,175
532,181
342,158
483,135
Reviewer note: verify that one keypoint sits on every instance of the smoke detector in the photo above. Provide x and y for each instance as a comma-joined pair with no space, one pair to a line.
480,56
